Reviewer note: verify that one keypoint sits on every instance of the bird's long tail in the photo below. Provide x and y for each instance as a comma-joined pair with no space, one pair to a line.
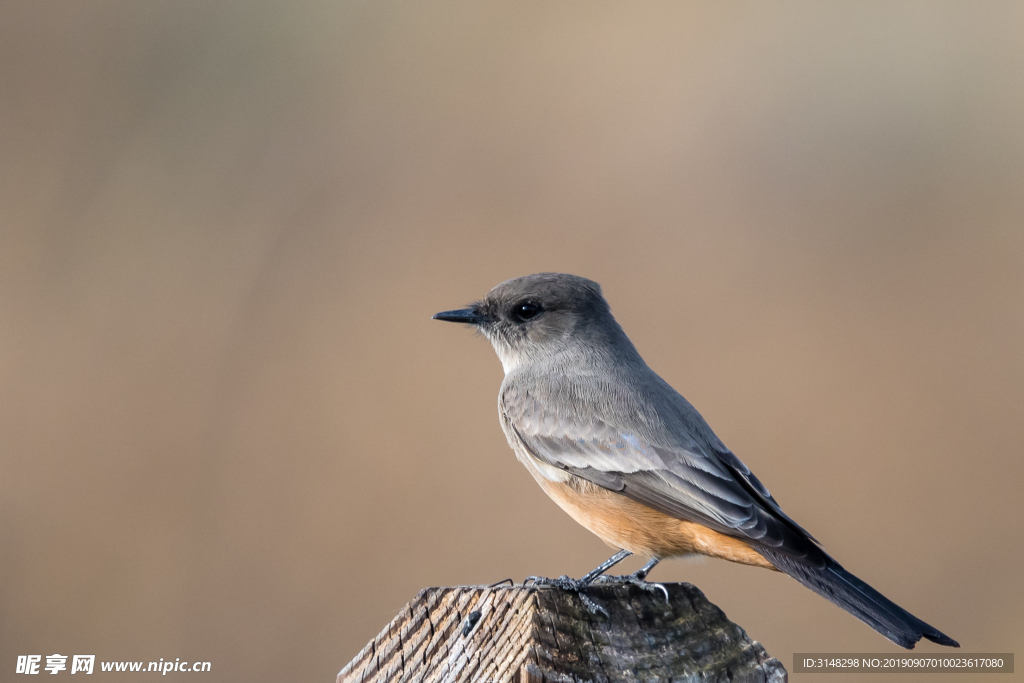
839,586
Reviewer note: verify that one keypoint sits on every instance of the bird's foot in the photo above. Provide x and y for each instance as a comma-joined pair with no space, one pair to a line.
571,585
637,579
564,582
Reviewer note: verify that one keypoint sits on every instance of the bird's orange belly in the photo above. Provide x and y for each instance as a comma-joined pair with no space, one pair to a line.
624,523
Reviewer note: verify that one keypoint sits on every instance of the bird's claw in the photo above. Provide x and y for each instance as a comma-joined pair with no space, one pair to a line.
590,604
564,582
636,580
571,585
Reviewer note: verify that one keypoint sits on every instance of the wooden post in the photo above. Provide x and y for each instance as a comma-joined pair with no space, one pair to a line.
528,634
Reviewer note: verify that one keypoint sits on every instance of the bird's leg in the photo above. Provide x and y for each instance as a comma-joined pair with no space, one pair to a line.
641,574
592,575
577,585
639,578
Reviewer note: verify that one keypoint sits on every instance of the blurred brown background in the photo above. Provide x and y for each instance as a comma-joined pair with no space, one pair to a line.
229,430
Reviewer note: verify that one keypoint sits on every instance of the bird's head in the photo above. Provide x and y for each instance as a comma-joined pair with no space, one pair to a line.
535,317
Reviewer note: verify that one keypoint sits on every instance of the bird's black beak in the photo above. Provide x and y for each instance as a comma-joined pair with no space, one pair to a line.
463,315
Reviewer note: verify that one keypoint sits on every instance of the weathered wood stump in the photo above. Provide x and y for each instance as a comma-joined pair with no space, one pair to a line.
529,635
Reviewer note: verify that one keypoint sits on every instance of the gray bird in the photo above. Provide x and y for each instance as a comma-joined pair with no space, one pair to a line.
631,460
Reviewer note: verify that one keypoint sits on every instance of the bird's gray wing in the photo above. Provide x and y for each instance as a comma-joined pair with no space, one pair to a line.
643,458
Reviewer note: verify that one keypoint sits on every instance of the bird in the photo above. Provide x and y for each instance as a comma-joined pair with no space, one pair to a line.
631,460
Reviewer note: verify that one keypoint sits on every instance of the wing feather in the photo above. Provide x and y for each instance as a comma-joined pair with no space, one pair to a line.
645,458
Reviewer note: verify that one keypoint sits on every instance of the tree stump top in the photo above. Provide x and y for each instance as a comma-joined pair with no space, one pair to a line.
534,634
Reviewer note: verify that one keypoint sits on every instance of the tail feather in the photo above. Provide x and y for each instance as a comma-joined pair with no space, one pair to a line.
842,588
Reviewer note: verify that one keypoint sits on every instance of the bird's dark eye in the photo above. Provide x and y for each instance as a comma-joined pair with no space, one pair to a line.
525,311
